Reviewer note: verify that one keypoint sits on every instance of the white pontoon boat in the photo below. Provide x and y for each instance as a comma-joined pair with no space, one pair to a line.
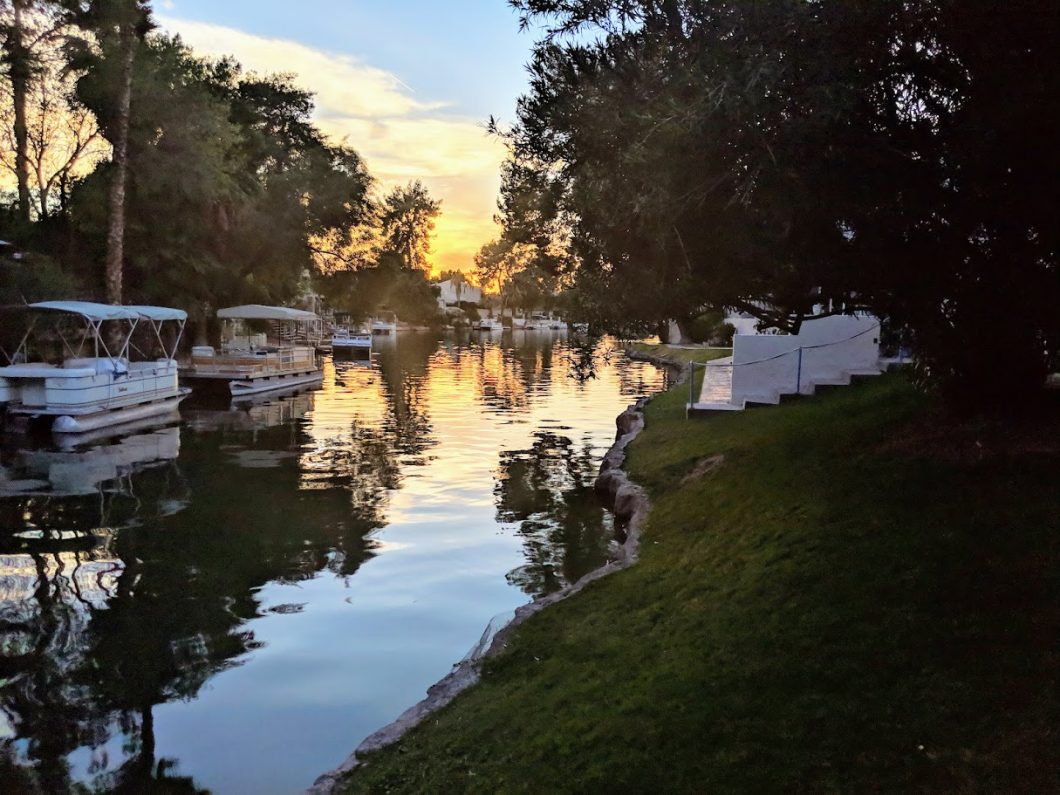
385,323
489,324
537,322
252,363
96,387
345,341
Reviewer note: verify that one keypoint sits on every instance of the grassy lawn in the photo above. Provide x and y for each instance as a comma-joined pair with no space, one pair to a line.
830,607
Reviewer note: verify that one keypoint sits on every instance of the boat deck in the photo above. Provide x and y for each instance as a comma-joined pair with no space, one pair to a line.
252,365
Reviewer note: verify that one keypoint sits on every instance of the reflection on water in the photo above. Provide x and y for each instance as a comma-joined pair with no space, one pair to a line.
234,603
548,491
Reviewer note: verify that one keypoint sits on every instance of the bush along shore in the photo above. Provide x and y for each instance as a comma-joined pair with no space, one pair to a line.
845,593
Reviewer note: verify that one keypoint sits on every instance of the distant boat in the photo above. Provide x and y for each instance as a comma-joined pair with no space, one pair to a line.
345,341
104,389
489,324
537,322
386,324
251,364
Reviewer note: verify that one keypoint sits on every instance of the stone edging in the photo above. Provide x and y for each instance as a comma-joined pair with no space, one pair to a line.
630,505
658,361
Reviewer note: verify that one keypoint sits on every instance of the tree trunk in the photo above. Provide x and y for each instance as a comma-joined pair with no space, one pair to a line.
44,193
116,229
19,61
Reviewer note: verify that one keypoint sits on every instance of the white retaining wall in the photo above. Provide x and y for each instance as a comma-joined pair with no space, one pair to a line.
767,366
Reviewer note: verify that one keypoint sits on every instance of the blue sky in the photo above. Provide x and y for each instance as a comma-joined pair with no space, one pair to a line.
407,83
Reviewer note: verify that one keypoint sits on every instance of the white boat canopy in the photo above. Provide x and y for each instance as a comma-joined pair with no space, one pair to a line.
91,311
96,314
159,312
260,312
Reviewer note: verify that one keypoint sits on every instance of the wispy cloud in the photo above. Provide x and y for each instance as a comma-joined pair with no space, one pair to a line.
401,135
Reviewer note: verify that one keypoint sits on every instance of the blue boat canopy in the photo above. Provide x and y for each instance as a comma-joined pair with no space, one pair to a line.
97,312
261,312
159,312
89,310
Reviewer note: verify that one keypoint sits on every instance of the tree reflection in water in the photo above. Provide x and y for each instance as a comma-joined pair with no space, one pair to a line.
130,577
97,626
405,372
548,490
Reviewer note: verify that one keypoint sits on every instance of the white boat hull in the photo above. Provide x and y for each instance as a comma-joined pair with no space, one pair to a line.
68,441
257,386
84,423
90,394
78,390
340,346
384,327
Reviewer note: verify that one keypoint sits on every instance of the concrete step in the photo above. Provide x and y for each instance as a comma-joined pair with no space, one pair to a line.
717,382
707,408
716,392
768,399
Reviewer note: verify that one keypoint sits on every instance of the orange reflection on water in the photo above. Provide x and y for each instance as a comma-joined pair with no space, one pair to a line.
425,419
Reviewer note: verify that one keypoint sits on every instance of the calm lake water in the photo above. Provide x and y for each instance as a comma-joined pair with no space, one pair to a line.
232,604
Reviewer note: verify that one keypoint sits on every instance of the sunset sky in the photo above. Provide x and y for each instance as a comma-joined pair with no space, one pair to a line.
409,84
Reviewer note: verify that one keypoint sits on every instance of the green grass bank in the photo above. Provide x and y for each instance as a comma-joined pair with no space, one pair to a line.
833,595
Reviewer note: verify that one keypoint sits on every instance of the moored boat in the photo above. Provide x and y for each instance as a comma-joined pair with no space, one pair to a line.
537,322
385,323
352,342
252,364
89,392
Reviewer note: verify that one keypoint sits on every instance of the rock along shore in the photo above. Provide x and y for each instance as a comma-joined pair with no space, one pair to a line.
630,505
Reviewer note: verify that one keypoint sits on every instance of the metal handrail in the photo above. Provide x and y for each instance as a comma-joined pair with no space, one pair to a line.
797,351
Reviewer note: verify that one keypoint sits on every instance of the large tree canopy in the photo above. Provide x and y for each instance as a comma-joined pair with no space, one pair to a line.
231,193
230,186
407,218
780,155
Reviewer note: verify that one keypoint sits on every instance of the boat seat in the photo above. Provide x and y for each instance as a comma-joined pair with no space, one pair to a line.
44,370
98,365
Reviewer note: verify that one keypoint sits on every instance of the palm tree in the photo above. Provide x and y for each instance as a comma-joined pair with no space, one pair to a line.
19,61
116,199
118,26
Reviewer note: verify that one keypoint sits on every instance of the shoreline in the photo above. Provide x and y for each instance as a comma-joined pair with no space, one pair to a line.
813,593
681,370
627,500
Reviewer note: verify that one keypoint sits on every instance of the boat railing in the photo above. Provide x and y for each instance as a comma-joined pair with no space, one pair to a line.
248,363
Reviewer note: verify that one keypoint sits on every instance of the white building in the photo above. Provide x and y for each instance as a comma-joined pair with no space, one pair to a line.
453,292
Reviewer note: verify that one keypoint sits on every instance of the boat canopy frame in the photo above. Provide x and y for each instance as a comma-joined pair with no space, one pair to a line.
310,321
95,315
